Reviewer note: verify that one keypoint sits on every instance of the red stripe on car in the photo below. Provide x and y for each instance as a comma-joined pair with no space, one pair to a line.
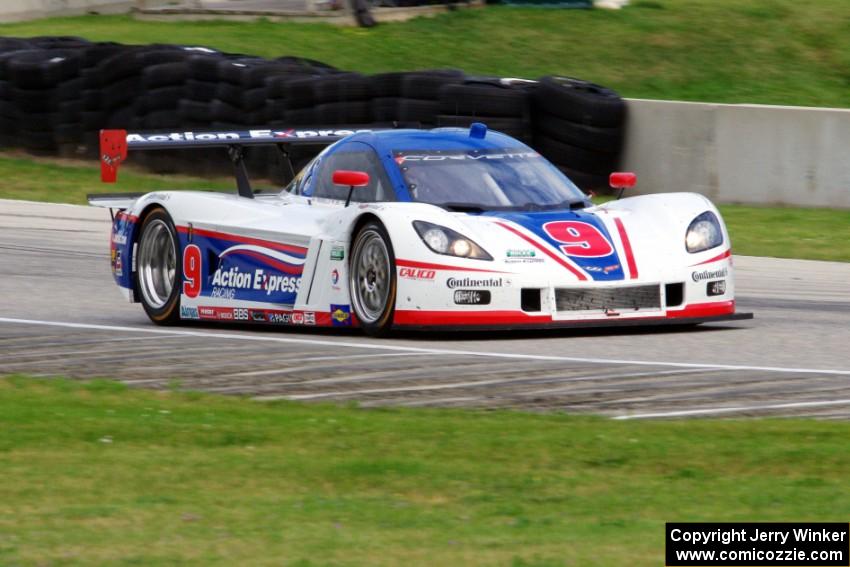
430,266
276,264
546,251
404,317
244,239
715,259
627,247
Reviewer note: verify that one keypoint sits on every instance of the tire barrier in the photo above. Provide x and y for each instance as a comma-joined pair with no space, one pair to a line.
56,93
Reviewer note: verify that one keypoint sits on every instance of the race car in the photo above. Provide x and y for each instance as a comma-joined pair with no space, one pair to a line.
450,228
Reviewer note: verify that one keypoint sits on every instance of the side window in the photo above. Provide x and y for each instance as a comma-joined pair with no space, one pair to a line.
358,157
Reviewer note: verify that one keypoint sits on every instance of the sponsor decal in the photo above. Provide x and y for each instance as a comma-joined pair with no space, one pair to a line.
120,239
518,256
611,268
261,134
335,277
297,318
715,288
217,313
472,297
417,274
223,293
337,253
279,317
341,315
256,279
521,254
453,283
709,274
400,159
189,312
117,263
258,316
309,318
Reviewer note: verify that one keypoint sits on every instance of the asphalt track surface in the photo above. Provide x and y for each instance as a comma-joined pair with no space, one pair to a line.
61,314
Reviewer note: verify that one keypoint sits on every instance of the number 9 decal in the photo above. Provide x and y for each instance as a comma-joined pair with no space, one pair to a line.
192,271
579,239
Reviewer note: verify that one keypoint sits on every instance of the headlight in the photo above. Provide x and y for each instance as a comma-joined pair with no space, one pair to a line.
704,233
446,241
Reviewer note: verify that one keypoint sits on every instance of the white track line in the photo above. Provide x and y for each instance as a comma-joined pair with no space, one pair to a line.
383,346
737,409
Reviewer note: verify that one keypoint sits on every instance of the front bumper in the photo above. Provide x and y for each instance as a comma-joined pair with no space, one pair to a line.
514,320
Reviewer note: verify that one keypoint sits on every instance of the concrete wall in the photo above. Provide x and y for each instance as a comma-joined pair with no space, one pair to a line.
19,10
741,153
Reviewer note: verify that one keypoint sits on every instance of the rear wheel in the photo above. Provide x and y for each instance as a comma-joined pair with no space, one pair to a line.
372,279
157,277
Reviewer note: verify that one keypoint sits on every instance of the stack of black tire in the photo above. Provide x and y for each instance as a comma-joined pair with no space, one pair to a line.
39,77
578,126
57,93
502,104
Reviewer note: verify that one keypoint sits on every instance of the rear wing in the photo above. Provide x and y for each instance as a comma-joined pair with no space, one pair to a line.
114,145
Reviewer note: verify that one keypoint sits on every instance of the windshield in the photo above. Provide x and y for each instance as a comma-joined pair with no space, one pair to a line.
504,179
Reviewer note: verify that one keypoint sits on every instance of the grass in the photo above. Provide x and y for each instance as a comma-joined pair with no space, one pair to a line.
68,181
786,232
756,51
815,234
96,474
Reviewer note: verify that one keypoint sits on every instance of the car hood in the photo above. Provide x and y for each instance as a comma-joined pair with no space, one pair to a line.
577,237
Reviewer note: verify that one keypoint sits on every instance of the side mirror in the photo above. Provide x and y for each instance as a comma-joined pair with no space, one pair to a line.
350,178
622,180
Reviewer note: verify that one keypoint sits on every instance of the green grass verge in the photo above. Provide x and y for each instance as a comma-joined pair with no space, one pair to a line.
815,234
758,51
55,180
786,232
95,474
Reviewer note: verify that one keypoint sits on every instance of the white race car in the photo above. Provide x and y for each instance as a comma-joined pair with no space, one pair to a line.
446,228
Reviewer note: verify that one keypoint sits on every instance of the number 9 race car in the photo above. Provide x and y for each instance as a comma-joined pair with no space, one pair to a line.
396,229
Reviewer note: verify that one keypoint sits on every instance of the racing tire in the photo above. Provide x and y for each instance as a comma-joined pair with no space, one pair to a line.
342,88
482,99
255,98
193,111
372,279
165,74
230,93
579,101
300,93
573,157
580,135
275,109
427,84
355,112
587,182
157,278
204,68
387,85
203,91
514,127
415,110
300,116
385,109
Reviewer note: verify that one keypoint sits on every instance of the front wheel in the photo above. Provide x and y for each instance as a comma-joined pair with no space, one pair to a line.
372,279
157,277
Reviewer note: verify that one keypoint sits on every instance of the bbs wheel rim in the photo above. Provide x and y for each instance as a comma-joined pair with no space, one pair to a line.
157,264
370,276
